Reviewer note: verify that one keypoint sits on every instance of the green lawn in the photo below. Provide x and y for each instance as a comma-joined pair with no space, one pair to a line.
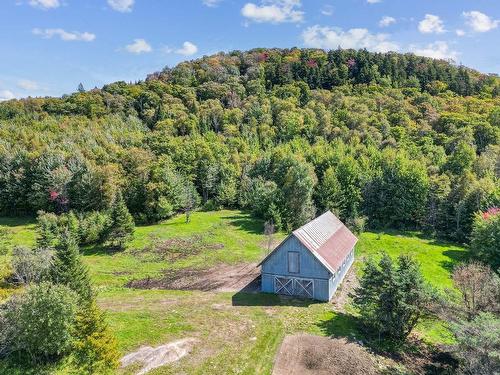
437,258
237,332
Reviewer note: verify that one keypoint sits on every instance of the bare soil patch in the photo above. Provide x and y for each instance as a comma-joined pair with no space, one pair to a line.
176,248
152,358
221,278
308,354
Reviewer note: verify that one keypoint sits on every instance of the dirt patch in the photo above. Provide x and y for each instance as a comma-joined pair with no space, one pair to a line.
152,358
307,354
176,248
223,278
347,286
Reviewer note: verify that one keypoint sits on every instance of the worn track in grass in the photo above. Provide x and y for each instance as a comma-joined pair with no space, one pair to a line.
222,278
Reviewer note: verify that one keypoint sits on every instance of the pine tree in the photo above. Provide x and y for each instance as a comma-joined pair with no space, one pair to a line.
68,268
94,347
391,297
122,224
81,88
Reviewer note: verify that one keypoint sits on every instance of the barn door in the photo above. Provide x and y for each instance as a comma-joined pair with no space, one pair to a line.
303,288
292,286
283,285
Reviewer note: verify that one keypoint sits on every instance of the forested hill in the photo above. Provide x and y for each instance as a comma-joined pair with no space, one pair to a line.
386,140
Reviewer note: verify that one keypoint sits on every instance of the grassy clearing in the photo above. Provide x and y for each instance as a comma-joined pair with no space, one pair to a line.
237,332
437,258
240,235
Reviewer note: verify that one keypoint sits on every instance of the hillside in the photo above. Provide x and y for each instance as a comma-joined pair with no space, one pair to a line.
384,140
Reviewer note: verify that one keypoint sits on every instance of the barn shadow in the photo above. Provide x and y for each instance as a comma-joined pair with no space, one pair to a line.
268,300
250,295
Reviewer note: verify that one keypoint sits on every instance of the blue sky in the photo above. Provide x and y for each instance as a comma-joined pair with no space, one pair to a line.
49,46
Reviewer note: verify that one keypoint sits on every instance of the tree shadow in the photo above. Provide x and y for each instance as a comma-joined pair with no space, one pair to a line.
13,222
246,223
413,353
99,249
455,257
340,325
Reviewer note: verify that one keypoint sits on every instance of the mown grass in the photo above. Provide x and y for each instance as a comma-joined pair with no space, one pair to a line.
236,332
437,258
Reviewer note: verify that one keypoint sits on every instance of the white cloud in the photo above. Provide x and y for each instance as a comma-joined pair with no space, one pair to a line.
121,5
211,3
431,24
327,10
373,1
436,50
187,49
26,84
139,46
273,11
480,22
330,38
45,4
6,95
386,21
65,35
459,32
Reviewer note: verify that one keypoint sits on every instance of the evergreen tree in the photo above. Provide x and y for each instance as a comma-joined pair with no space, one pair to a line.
391,297
94,347
122,224
80,87
68,268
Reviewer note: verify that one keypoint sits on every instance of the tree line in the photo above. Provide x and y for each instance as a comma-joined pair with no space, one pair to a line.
383,140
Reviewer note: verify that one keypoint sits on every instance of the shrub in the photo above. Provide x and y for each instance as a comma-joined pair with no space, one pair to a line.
92,227
478,345
30,265
479,287
485,238
38,322
50,226
357,224
47,229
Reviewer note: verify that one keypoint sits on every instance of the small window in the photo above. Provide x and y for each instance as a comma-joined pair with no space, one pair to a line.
293,262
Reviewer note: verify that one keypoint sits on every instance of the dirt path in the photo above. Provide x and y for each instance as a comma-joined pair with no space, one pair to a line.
152,358
222,278
308,354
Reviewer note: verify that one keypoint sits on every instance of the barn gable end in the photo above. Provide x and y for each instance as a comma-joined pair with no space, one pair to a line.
309,265
312,261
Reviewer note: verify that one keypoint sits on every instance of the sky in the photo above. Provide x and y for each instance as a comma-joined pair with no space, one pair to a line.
47,47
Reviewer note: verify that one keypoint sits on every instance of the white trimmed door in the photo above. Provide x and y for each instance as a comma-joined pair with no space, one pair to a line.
294,286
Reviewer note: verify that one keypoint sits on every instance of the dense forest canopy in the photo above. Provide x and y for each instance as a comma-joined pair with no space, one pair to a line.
398,141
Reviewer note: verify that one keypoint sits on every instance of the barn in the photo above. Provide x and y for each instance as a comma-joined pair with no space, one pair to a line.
312,261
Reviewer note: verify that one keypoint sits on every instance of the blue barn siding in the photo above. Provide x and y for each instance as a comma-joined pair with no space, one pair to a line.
334,282
310,268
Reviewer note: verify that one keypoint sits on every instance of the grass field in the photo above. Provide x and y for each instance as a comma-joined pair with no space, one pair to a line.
237,333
